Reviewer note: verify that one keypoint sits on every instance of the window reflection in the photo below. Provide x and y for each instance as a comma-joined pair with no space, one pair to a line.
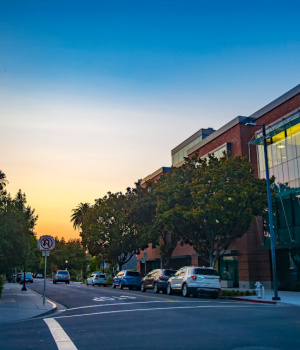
283,152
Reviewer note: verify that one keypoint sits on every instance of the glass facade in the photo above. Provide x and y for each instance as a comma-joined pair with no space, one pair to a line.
181,154
283,149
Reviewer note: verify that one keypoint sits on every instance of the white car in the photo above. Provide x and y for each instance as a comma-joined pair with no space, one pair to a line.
97,279
191,280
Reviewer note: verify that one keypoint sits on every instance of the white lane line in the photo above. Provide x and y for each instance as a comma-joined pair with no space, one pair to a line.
158,308
135,302
61,338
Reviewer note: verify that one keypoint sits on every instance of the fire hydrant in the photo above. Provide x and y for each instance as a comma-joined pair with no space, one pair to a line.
260,290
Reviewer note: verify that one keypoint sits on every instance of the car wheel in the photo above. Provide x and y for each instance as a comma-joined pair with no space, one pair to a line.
155,288
93,284
169,289
143,289
185,291
113,285
54,282
214,295
121,285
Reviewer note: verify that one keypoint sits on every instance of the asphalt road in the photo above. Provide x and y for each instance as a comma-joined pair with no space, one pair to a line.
106,318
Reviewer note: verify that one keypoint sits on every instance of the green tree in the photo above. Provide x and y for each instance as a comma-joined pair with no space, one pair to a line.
17,222
112,229
78,218
173,199
71,251
226,196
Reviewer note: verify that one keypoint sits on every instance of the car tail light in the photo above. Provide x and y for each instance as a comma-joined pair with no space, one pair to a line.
56,276
194,278
220,279
124,278
164,277
96,278
69,276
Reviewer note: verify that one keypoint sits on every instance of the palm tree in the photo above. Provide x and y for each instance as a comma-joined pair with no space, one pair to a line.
78,215
3,180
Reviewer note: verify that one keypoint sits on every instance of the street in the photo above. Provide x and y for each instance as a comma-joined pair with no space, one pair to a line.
106,318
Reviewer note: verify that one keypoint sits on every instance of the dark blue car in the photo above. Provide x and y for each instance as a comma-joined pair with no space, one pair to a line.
127,278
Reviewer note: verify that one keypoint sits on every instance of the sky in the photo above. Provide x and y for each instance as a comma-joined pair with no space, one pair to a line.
94,95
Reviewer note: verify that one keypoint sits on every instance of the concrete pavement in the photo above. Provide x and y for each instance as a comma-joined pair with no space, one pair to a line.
286,297
18,305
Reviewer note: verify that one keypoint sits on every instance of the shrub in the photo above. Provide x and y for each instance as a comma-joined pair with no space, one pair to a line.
109,280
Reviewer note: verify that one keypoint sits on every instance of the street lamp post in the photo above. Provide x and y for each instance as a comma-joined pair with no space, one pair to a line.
24,286
66,264
272,235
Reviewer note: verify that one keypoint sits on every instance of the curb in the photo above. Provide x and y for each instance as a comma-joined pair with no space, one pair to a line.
49,312
253,300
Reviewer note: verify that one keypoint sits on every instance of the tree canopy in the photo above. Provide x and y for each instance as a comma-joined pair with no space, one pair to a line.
17,238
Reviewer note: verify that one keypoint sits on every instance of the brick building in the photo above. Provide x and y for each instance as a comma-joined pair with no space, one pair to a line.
248,258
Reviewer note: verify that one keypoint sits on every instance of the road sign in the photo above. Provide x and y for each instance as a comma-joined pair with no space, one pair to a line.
45,253
46,243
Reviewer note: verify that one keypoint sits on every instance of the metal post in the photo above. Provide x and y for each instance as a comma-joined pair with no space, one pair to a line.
270,218
24,287
45,271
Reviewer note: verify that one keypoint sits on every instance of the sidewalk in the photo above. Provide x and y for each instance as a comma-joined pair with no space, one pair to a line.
288,298
17,305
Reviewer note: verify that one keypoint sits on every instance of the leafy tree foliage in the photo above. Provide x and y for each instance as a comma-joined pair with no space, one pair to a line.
116,225
173,198
17,222
71,251
226,196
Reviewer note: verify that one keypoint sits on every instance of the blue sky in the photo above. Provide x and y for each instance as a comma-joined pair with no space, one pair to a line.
95,94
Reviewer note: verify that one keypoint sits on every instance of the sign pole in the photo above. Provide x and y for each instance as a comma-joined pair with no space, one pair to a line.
46,244
45,271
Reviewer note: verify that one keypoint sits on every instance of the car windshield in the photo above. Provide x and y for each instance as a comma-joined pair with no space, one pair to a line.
63,272
133,273
169,273
27,274
206,272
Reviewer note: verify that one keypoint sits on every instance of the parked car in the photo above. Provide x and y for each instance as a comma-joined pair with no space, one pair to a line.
99,279
157,280
61,276
19,276
191,280
38,275
127,278
28,277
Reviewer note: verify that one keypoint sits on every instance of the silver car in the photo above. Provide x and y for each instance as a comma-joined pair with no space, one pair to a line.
61,276
191,280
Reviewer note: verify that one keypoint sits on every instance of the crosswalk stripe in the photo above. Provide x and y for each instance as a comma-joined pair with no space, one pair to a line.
61,338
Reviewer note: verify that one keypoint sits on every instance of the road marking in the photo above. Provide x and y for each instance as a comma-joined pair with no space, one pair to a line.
158,308
134,302
121,297
61,338
142,296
